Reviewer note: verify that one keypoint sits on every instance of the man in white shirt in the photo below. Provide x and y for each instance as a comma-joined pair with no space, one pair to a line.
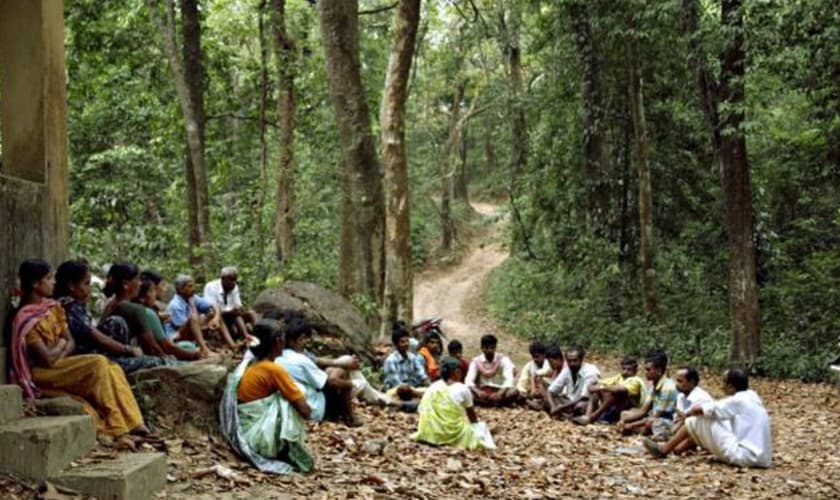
224,292
687,380
568,394
534,371
735,429
490,376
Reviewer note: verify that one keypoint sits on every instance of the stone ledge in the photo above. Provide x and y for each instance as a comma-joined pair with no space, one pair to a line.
133,476
39,447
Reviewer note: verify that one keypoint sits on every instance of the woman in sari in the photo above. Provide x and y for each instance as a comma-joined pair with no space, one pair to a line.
110,337
121,286
42,361
184,350
263,410
447,415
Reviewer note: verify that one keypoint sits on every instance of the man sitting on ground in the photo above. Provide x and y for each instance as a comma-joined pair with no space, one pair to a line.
347,362
660,398
568,394
735,429
224,293
430,351
527,384
405,375
184,322
456,351
612,395
687,380
556,361
490,376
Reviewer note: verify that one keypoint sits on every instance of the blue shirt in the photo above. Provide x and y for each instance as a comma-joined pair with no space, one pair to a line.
312,379
179,312
401,370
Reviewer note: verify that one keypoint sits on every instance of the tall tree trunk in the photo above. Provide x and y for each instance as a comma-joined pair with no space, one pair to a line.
593,116
735,175
361,262
194,76
518,131
261,122
722,103
462,179
489,149
193,113
637,110
397,297
284,51
447,227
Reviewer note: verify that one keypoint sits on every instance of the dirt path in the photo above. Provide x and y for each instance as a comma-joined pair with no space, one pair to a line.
456,293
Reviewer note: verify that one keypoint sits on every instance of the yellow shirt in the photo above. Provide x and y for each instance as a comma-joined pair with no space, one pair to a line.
635,387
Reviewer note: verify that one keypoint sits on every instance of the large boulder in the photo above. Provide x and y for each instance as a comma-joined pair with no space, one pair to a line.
182,396
338,327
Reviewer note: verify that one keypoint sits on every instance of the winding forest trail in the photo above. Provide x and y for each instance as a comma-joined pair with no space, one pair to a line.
456,293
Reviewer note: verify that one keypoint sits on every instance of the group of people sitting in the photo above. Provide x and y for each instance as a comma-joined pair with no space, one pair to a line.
280,383
57,350
272,393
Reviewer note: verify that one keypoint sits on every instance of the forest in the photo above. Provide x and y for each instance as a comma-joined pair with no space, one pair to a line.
671,169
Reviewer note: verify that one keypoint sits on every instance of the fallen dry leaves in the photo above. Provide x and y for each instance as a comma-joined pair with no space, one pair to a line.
537,458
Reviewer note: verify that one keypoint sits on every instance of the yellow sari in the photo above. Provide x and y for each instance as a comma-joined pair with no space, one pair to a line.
91,379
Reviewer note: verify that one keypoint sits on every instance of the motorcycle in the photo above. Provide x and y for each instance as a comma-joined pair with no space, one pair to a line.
422,328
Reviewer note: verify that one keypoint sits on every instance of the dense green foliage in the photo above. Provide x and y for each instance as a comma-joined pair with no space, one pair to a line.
583,287
572,278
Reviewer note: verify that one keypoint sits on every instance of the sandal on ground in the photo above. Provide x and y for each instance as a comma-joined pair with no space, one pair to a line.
652,448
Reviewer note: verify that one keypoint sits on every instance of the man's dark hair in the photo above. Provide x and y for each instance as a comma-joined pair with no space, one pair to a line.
431,336
577,349
658,359
629,361
553,352
737,378
455,345
398,331
295,328
536,348
489,340
691,374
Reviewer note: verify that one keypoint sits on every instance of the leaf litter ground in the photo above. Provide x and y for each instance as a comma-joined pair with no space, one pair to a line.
536,458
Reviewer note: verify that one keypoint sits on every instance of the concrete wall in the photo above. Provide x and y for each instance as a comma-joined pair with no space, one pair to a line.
34,205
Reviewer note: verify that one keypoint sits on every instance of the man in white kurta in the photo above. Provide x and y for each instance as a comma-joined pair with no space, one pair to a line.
735,429
568,394
490,376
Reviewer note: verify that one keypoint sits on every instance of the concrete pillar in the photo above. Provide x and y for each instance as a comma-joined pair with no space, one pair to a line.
34,206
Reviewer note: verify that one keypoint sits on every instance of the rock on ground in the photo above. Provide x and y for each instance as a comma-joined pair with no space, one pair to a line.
185,395
339,327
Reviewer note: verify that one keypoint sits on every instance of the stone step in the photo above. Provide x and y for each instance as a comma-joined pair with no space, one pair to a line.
11,403
40,447
131,476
